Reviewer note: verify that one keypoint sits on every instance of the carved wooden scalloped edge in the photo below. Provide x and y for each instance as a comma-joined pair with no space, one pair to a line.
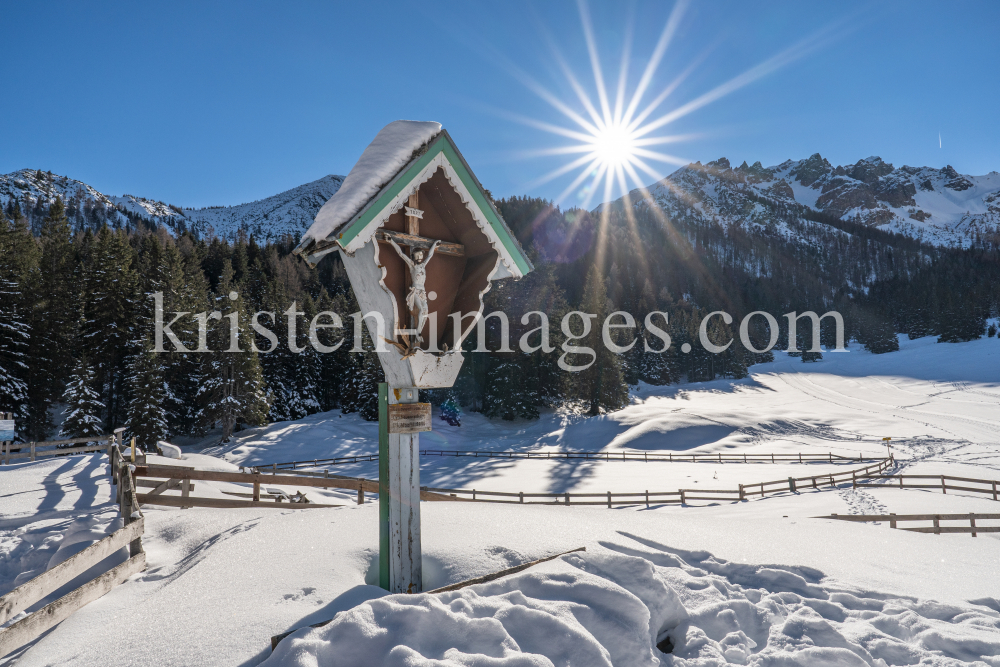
439,161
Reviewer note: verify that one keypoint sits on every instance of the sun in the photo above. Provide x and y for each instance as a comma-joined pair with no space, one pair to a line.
614,146
614,135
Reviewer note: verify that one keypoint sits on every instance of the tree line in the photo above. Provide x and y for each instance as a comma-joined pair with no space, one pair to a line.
76,313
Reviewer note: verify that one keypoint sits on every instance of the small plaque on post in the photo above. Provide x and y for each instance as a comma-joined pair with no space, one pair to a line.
7,429
409,417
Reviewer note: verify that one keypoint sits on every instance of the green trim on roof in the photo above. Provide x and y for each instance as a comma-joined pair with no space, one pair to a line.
442,144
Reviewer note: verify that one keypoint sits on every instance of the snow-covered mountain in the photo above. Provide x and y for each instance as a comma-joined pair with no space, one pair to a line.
939,206
290,212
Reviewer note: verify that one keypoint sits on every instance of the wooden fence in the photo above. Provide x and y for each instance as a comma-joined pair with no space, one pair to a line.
935,520
179,475
681,496
591,456
34,624
986,486
13,452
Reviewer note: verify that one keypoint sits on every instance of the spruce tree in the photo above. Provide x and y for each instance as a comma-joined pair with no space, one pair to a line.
83,404
147,415
17,268
509,395
601,386
54,320
108,331
232,389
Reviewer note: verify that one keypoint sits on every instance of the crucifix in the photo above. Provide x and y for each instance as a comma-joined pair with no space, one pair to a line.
418,255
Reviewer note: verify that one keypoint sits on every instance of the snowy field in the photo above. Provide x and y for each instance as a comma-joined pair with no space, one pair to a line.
759,582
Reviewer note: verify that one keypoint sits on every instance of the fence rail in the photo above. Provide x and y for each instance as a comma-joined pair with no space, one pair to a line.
24,596
988,486
936,519
589,456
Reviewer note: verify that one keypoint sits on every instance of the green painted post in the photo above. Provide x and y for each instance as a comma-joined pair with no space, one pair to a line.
383,485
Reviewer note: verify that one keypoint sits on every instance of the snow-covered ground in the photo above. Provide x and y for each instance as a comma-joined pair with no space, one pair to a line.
758,582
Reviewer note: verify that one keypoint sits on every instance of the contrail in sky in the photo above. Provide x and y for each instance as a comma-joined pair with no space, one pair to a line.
939,140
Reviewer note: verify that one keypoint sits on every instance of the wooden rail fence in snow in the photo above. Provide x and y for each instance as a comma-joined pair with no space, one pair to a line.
935,520
12,452
24,596
254,480
987,486
591,456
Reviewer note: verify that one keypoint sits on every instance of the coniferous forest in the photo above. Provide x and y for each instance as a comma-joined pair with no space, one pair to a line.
77,315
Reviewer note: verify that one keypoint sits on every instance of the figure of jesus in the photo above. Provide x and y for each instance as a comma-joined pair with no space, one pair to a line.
416,299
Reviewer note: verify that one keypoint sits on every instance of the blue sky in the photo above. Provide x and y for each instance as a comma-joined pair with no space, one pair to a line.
211,103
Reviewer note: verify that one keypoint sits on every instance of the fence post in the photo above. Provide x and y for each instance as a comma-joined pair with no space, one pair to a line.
854,479
944,488
361,494
742,497
892,521
937,524
609,500
791,484
256,490
185,492
567,500
800,457
647,498
772,458
682,497
994,490
900,481
831,457
972,522
473,494
520,496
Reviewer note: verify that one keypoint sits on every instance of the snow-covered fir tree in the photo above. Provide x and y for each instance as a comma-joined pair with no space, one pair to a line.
232,390
14,329
509,394
147,415
83,404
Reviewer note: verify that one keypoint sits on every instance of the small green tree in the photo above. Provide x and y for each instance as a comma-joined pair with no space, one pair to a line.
147,415
83,405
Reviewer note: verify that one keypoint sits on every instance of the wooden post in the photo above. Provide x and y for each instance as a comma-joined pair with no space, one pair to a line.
402,497
742,494
854,480
791,484
256,491
186,492
32,451
944,488
994,490
383,485
682,496
520,496
361,494
892,522
609,500
972,522
567,500
937,524
647,498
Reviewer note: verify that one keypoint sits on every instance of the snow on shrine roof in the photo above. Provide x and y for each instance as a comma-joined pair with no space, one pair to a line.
390,151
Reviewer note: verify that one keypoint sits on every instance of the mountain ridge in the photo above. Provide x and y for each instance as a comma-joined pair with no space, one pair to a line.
937,206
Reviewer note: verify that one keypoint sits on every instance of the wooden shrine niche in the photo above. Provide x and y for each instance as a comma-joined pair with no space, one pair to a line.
458,273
